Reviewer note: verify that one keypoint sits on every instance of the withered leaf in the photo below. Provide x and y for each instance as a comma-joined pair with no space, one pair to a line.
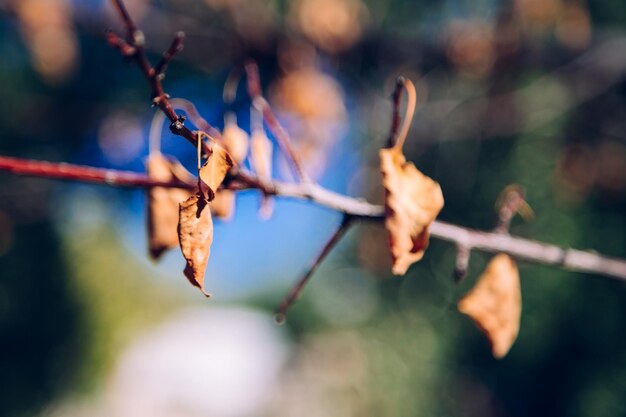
195,234
214,170
495,303
163,203
412,203
235,139
223,205
261,153
261,159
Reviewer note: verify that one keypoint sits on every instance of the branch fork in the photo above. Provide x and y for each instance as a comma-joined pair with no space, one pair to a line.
466,240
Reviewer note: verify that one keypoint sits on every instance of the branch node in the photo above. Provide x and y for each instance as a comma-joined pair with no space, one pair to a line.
178,126
175,47
139,39
462,261
510,202
115,41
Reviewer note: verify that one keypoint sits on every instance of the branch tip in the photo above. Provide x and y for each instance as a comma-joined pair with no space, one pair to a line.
462,262
296,290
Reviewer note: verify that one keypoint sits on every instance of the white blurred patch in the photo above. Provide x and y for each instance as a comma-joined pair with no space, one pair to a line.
202,362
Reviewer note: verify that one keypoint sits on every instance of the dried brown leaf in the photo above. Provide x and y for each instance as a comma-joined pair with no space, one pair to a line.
223,205
163,203
495,303
261,159
214,170
195,234
412,203
235,139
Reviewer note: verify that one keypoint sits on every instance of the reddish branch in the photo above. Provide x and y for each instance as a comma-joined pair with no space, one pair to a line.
63,171
530,250
353,209
133,48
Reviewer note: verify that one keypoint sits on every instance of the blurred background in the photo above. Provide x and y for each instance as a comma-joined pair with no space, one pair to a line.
515,91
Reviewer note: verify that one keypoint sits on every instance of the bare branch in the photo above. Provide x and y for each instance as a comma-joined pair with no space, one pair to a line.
295,292
272,123
470,239
395,115
135,40
175,47
63,171
529,250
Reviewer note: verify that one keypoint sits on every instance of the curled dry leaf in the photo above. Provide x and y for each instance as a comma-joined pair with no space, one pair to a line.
163,203
412,203
195,233
495,303
261,159
214,170
235,139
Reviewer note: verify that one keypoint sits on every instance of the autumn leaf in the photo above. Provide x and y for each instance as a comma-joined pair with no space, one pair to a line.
214,170
495,303
223,205
195,234
412,200
261,159
163,203
412,203
235,139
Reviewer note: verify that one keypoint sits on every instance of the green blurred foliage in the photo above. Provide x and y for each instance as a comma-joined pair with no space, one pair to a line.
70,300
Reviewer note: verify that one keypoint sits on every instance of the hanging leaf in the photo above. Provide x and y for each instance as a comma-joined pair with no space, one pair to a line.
214,170
163,203
495,303
261,159
412,200
235,139
195,233
412,203
223,205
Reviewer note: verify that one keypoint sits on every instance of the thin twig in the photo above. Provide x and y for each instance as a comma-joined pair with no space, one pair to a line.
472,239
272,123
175,47
530,250
63,171
398,140
395,112
510,202
463,254
296,290
135,40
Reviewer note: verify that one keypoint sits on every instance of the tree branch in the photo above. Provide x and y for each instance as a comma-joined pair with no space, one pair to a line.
133,47
272,123
470,239
527,249
295,292
63,171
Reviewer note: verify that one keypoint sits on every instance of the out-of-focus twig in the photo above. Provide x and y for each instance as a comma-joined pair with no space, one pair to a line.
527,249
296,290
133,48
272,123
